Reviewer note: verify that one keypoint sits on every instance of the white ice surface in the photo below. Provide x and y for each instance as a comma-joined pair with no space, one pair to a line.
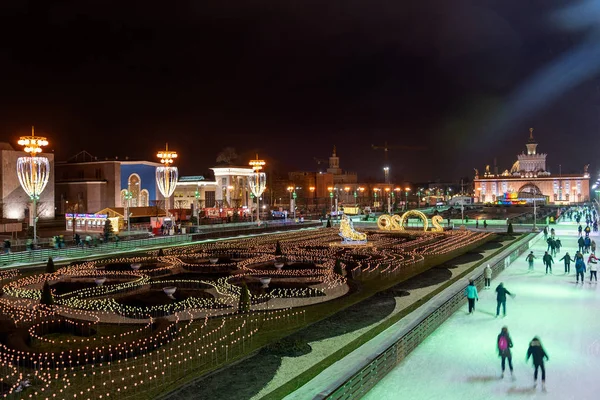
459,360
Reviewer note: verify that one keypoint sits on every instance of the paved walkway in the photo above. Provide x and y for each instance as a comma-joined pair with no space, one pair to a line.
459,360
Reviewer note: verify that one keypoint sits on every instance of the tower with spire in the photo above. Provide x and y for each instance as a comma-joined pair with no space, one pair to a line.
532,162
334,164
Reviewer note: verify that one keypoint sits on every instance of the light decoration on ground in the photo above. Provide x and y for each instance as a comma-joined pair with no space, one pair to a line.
349,234
257,183
396,222
166,176
33,172
147,353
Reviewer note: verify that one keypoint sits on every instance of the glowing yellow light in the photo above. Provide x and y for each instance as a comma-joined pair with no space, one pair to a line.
32,144
257,164
166,157
312,188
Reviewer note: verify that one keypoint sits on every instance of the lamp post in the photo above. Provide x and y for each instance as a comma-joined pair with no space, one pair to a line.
397,194
361,191
389,203
375,191
290,190
166,175
33,173
330,189
128,196
386,174
406,190
197,195
257,183
312,194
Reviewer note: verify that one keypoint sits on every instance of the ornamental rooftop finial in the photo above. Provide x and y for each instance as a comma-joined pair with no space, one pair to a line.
33,144
531,139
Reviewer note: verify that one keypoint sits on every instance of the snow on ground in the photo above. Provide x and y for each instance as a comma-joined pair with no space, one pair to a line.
460,361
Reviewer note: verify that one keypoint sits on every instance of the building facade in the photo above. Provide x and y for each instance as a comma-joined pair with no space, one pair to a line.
15,202
529,179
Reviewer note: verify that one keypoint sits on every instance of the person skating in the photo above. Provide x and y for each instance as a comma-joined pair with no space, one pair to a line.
545,233
579,229
593,265
587,243
501,293
471,293
487,275
581,244
558,245
593,246
567,259
538,353
548,261
504,344
579,266
530,257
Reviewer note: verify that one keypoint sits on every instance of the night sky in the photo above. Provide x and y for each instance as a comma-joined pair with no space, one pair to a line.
289,79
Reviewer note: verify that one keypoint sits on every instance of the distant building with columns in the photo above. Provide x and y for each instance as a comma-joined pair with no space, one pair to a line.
529,179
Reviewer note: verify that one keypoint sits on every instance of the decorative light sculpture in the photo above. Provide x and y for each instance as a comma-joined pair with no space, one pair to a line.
33,173
257,183
166,176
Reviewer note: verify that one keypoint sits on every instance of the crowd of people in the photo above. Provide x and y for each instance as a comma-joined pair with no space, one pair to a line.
586,249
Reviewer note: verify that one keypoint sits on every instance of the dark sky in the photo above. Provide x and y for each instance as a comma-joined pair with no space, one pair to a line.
290,79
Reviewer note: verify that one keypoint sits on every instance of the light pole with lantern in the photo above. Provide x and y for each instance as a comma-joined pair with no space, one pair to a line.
312,194
166,175
406,190
197,196
257,183
128,196
330,189
33,173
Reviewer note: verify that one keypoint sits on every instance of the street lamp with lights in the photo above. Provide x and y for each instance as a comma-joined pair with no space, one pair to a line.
389,200
128,196
406,190
166,175
33,173
257,183
197,196
312,194
330,189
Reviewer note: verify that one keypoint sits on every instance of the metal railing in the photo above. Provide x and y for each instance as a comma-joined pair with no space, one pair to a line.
364,379
41,255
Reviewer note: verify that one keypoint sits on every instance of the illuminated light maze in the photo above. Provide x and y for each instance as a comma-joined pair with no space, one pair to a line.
137,326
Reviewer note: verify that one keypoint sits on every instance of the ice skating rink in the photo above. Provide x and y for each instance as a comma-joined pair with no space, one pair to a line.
460,361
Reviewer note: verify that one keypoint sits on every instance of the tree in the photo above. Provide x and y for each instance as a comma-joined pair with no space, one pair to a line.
50,266
108,230
338,267
244,304
227,156
46,298
510,230
278,251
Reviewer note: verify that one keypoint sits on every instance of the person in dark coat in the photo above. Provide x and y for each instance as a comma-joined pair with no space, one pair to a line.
504,344
538,353
579,266
567,259
548,261
581,244
501,293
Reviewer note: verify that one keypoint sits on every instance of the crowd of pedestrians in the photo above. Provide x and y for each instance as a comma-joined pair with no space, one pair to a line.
584,260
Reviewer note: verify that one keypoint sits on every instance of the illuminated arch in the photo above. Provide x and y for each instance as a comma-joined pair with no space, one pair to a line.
416,214
134,182
123,193
529,190
144,198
